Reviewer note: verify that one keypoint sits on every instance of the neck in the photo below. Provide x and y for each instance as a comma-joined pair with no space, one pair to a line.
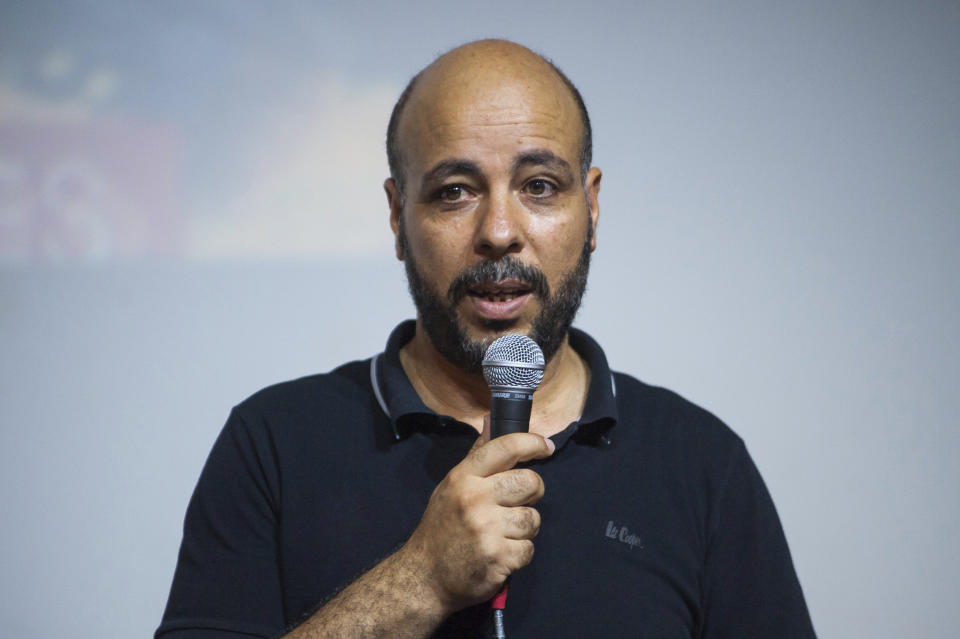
448,390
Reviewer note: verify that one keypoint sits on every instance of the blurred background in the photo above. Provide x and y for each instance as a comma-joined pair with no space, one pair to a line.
191,208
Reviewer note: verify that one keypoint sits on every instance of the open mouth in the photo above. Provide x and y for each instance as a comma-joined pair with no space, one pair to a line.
505,291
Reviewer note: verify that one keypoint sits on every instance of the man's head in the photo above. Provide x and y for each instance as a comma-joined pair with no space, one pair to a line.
395,154
492,200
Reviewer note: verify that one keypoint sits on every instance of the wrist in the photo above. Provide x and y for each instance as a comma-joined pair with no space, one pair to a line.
414,568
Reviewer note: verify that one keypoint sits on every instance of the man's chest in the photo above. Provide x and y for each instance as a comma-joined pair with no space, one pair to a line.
620,548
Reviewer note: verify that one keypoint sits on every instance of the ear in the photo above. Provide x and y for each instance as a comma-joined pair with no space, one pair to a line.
395,202
592,189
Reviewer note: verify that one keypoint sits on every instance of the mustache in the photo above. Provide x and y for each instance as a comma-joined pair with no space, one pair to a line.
493,271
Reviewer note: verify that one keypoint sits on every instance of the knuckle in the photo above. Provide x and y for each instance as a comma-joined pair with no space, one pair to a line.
466,500
533,521
509,483
506,444
531,479
487,549
456,479
526,552
518,444
514,483
474,524
527,520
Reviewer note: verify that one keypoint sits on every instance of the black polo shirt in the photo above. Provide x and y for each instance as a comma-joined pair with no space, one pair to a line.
655,522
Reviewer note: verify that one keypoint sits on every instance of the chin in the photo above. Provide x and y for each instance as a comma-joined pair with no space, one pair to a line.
492,329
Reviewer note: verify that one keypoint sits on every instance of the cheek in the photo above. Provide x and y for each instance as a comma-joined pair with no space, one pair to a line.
438,250
559,242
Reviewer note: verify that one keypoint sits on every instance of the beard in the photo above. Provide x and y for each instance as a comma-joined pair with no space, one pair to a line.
441,320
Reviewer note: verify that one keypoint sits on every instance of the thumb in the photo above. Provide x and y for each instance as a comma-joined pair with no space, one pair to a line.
484,436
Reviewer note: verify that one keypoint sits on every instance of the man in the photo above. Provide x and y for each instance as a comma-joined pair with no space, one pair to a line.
363,503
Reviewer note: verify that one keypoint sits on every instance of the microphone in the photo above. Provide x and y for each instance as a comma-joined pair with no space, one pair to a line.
513,368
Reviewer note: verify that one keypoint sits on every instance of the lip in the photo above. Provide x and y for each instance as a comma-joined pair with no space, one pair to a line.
499,310
479,296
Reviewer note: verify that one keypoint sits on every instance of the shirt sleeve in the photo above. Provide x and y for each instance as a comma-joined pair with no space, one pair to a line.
750,585
227,581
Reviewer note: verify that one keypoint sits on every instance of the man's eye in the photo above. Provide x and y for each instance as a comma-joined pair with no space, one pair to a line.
540,188
453,193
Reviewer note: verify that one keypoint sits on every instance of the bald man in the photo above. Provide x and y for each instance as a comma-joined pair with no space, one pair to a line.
370,501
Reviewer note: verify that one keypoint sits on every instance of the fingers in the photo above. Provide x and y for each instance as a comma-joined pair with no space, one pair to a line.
520,487
521,523
503,453
478,525
519,553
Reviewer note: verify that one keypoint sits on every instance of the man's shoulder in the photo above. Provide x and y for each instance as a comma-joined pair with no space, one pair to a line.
648,408
343,389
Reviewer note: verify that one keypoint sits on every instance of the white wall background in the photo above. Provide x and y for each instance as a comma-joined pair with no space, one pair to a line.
190,209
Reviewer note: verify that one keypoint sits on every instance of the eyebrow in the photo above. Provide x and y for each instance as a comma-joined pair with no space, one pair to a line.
461,166
544,158
446,168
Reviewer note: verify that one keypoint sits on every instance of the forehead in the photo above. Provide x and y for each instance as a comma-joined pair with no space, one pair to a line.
489,113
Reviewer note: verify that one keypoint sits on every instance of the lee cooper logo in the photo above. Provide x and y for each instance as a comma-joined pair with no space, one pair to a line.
623,535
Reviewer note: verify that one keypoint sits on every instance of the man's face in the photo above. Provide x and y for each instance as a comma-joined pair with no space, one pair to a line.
441,320
496,226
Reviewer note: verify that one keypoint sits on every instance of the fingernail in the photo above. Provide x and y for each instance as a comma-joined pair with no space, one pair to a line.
551,445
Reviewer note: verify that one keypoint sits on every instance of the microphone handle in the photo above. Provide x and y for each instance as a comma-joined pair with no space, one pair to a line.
509,411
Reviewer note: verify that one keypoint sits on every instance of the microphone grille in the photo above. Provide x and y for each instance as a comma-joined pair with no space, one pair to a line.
514,361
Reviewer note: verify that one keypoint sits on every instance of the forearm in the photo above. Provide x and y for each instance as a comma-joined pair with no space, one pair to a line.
476,530
391,600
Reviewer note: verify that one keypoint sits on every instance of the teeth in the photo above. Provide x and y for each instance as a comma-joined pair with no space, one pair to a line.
498,295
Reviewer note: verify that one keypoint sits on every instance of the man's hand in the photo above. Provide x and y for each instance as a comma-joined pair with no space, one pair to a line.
476,530
478,526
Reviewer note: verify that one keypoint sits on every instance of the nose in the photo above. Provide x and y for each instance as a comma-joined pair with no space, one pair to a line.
499,228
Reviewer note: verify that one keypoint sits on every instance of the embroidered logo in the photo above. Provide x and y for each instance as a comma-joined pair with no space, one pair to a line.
623,535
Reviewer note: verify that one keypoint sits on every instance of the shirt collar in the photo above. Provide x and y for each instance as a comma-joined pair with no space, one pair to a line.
407,412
